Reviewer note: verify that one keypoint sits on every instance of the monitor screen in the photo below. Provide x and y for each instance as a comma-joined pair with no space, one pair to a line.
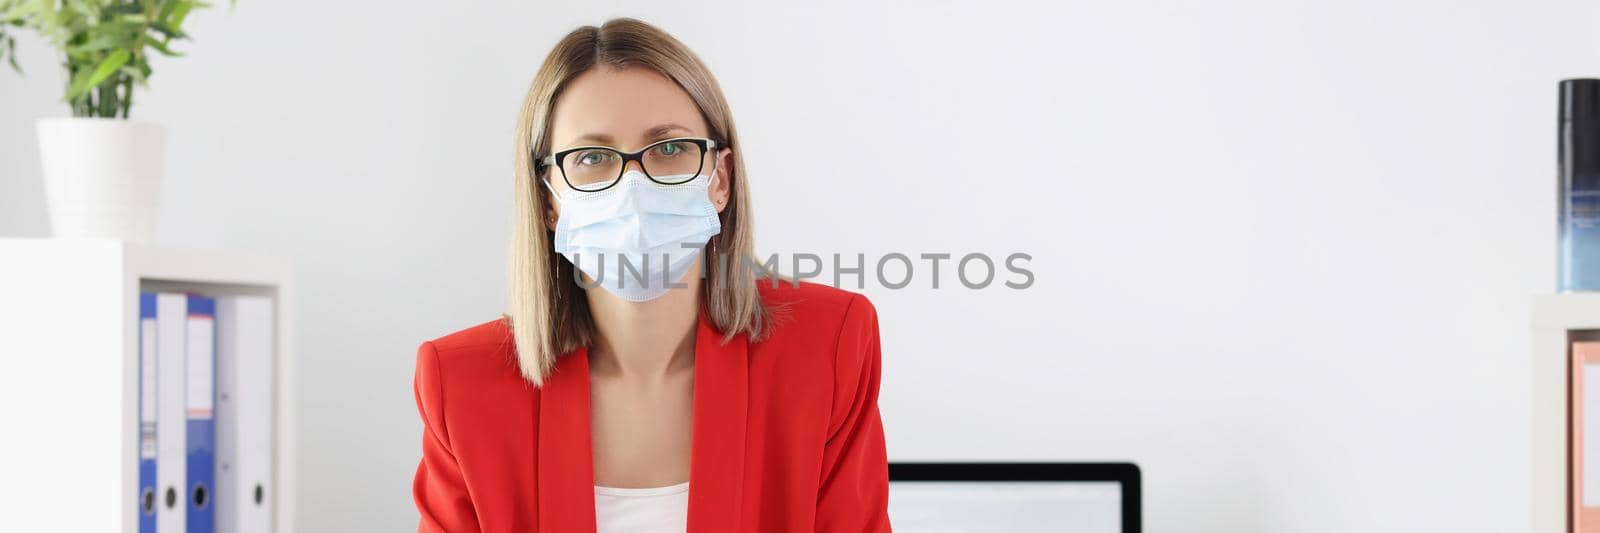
1006,506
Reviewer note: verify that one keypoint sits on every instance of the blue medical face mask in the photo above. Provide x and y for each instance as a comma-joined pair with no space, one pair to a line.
658,230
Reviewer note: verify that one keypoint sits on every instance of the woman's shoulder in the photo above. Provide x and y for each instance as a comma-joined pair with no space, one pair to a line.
486,336
479,353
815,310
466,383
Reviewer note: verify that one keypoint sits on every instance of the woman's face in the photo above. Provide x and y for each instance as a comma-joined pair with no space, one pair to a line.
628,109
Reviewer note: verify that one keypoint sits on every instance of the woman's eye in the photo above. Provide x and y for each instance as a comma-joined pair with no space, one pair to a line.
593,158
670,149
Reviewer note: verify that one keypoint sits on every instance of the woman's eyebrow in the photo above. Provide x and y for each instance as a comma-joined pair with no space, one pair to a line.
663,129
655,132
597,138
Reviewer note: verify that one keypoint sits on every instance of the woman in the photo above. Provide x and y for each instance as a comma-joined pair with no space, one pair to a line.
658,385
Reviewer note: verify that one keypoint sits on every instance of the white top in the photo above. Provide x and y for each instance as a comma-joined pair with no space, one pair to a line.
646,510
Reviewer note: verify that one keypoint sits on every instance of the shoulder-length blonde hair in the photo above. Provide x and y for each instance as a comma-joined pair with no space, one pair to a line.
549,315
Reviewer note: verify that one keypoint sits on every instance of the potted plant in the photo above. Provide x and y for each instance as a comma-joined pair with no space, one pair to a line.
102,171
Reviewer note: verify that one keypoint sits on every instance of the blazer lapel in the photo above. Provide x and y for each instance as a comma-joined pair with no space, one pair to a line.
716,461
566,460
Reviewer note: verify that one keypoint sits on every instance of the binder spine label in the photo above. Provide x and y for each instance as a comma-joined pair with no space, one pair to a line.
147,388
201,373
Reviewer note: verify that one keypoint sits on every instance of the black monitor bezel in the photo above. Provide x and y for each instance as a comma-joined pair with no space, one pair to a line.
1126,474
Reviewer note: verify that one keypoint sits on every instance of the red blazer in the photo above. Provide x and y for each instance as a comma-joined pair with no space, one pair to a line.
786,433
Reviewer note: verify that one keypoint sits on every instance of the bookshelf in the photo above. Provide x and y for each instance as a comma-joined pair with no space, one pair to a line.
68,322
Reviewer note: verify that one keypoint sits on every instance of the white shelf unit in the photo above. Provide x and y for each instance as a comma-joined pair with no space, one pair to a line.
1557,321
68,330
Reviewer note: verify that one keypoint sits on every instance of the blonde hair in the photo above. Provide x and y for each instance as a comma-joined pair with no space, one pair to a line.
548,313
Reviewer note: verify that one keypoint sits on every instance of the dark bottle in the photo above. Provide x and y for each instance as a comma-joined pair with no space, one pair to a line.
1579,165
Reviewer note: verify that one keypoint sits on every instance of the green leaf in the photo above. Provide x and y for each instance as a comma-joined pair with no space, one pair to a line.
180,11
133,73
105,69
113,61
123,27
79,85
122,9
83,8
161,46
23,9
167,31
11,52
166,10
105,37
103,42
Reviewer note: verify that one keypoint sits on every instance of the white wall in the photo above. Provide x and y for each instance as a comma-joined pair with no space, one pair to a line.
1283,249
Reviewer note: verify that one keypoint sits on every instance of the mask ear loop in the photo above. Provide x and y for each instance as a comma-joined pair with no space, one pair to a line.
715,164
552,189
707,266
712,259
554,256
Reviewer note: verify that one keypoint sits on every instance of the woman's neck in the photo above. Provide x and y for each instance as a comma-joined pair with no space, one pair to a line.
648,339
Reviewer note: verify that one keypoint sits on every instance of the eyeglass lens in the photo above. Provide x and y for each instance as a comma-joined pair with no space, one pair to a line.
670,163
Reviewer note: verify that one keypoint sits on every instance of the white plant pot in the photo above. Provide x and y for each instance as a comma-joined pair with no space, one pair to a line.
102,177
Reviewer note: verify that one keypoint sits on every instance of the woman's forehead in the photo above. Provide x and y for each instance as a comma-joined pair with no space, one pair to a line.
625,108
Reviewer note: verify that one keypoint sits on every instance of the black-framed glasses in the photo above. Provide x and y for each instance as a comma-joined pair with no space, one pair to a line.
597,168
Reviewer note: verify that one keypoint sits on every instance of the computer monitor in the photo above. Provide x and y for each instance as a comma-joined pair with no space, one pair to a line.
1014,497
